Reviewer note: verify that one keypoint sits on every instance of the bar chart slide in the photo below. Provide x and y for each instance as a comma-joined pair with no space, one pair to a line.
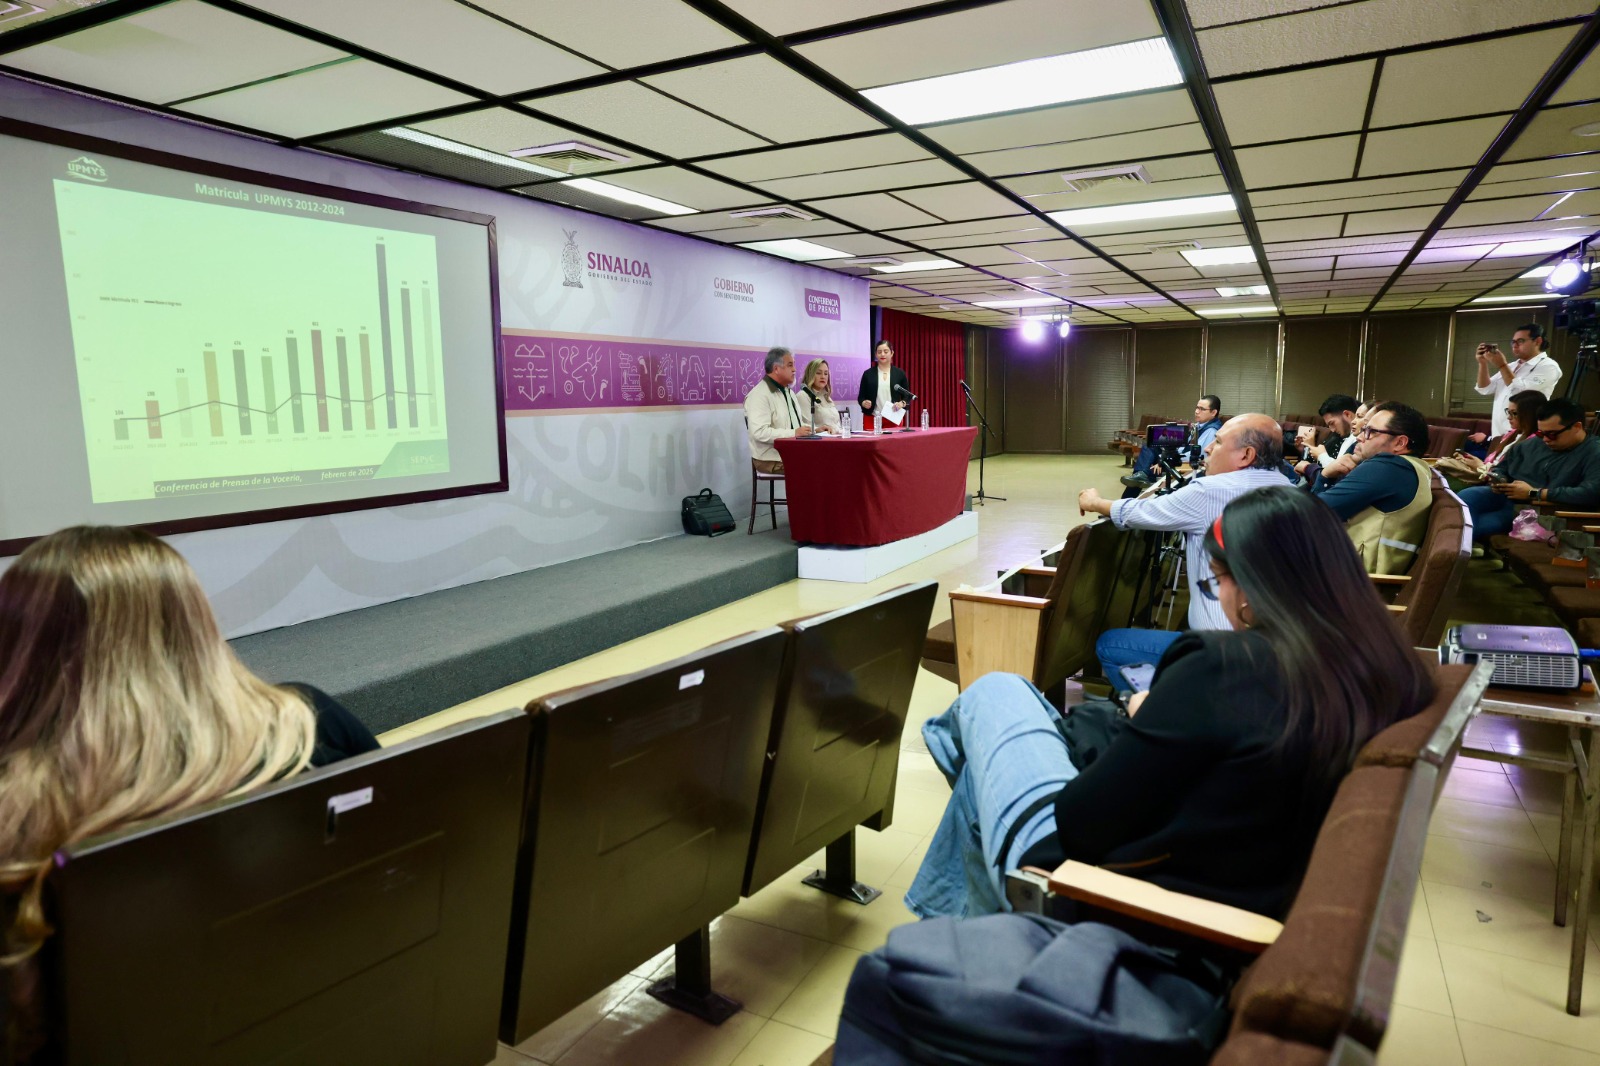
221,348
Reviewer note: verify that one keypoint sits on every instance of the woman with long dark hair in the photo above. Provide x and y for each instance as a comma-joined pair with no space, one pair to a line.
1218,783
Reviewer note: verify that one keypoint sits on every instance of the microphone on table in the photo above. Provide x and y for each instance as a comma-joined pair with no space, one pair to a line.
910,396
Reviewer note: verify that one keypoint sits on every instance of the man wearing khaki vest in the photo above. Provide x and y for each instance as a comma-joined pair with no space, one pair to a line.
770,412
1384,501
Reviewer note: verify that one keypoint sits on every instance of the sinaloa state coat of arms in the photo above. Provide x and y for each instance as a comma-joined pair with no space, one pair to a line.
572,261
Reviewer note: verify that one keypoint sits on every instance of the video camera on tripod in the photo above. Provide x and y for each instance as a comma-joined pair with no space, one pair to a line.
1581,319
1165,438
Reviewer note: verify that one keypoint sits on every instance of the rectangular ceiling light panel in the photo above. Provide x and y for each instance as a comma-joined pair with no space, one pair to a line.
1525,298
1245,290
1259,309
798,250
1096,72
1033,301
916,264
1203,257
1188,205
628,196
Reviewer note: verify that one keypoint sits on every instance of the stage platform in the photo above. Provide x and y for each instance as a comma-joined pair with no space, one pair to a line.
828,562
397,662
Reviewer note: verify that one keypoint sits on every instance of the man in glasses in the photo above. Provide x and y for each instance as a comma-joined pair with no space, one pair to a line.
1564,471
1384,500
1245,454
1501,377
1207,422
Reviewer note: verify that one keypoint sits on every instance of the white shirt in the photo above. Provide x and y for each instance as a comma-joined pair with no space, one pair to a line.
1541,374
1191,510
885,398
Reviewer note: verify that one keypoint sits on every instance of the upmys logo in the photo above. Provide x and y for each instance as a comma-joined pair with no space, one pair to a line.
87,169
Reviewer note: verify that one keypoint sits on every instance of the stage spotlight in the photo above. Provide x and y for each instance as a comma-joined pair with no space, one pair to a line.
1570,276
1063,328
1032,329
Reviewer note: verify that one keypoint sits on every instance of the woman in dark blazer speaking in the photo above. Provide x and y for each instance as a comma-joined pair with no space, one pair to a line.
883,385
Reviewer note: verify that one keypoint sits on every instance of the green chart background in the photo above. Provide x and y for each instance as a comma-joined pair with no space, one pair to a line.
231,276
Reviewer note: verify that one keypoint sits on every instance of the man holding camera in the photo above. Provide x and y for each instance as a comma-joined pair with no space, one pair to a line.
1207,421
1244,454
1565,471
1501,378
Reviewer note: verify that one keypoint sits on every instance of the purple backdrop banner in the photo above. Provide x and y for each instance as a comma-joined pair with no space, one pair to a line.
566,372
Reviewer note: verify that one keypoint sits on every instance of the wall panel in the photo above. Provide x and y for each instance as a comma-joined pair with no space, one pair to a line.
1167,371
1242,366
1099,387
1034,392
1321,356
1406,360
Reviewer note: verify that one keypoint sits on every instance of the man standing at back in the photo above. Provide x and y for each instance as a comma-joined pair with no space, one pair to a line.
1243,454
1384,501
1501,378
770,412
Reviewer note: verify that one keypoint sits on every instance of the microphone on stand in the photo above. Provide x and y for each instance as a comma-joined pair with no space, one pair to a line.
964,388
910,396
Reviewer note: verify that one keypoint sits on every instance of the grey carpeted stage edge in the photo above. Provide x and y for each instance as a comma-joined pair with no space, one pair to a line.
401,661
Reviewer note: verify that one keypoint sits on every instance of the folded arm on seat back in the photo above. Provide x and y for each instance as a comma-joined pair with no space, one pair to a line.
996,631
1202,919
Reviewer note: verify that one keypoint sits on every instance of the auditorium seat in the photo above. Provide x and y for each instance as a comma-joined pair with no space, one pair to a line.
834,751
642,794
1588,633
1427,590
356,913
1444,440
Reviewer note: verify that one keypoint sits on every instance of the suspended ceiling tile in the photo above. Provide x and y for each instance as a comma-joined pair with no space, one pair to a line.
1582,84
784,16
1124,148
864,179
15,14
876,211
1557,183
1586,202
1465,79
1058,198
870,244
1286,164
1433,197
350,93
975,232
171,52
1443,144
1447,181
703,224
1372,259
650,30
992,256
629,111
1069,122
819,158
764,96
1550,133
1022,271
956,202
1369,222
497,129
1162,231
1293,262
686,188
980,37
1300,229
1514,209
817,230
444,37
1302,103
1372,26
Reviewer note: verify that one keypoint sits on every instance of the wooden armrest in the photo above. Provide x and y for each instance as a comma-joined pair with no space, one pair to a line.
1035,603
996,632
1389,579
1216,923
1591,515
1396,608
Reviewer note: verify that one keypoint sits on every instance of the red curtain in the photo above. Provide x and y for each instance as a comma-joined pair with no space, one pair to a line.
933,353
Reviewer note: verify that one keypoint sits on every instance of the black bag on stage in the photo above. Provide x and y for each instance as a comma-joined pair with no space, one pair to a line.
705,515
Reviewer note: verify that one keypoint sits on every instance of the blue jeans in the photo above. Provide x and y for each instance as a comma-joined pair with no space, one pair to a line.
1128,647
999,748
1491,512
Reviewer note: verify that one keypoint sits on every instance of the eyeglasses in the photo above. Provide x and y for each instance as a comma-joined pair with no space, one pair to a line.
1208,586
1367,431
1552,434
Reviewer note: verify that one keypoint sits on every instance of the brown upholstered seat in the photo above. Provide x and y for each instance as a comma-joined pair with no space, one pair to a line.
1547,576
940,643
1303,987
1260,1049
1574,605
1442,440
1400,744
1435,576
1588,633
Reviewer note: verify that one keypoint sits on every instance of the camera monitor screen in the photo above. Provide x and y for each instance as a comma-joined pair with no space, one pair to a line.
191,345
1168,436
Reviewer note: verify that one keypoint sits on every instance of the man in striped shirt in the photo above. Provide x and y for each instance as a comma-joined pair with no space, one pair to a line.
1245,454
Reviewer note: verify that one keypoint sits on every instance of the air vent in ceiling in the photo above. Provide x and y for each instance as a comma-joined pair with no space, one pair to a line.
573,157
1173,246
781,212
1105,178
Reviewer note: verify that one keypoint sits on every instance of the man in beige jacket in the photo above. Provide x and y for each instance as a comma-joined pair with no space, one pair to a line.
771,413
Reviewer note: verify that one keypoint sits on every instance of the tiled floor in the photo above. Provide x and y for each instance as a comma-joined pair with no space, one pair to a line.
1483,977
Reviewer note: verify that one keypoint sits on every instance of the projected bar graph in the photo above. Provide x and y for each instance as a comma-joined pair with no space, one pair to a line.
344,318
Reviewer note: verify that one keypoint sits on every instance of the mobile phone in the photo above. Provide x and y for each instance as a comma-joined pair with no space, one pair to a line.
1137,675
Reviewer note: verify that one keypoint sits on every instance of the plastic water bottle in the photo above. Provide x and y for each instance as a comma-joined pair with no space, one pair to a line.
924,418
844,422
877,426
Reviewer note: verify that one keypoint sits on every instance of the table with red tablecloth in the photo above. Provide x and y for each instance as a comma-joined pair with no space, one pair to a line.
870,489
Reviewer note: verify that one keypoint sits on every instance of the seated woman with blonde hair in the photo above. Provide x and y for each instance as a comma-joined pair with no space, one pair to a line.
120,701
816,398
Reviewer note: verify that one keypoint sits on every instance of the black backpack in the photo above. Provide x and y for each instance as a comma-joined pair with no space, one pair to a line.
705,515
1026,990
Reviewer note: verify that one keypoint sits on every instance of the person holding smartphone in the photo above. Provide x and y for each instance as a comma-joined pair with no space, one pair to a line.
1501,378
1564,470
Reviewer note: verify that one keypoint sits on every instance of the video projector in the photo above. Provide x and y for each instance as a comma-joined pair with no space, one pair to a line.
1541,657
